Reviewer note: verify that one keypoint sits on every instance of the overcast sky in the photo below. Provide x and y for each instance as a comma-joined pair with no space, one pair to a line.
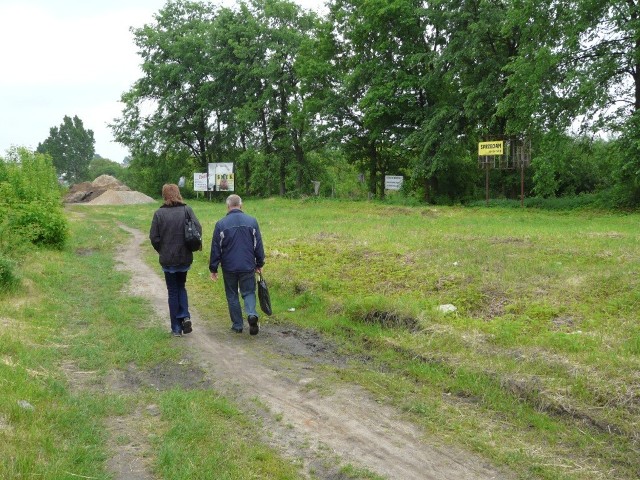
70,57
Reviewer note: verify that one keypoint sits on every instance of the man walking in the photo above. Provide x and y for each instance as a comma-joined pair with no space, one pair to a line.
237,247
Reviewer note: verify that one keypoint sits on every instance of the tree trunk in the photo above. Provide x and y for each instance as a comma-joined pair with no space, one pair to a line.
283,177
373,167
636,78
300,164
246,167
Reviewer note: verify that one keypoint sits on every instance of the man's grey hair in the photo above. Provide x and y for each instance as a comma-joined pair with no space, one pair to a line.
234,201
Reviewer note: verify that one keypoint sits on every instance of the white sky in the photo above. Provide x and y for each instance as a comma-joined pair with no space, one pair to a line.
70,57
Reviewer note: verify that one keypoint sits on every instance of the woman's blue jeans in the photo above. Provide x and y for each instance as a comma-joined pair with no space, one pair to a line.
178,300
245,283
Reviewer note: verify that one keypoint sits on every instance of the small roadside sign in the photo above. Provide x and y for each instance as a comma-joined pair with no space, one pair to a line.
199,182
491,148
393,182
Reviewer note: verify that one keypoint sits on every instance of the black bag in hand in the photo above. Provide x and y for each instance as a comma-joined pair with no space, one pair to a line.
192,237
263,295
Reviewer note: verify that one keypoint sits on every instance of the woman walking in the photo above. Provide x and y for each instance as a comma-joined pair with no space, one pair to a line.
167,237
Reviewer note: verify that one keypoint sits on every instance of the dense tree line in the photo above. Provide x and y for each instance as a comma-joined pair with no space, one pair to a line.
401,87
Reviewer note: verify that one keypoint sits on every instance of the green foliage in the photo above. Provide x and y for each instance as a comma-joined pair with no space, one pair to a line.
102,166
627,172
569,166
588,201
28,176
40,224
149,172
30,199
8,277
402,87
71,147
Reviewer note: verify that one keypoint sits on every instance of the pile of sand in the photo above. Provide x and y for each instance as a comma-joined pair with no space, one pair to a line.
115,197
105,190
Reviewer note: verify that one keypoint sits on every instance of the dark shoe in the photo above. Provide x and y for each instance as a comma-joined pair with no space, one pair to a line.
186,325
176,333
236,330
254,328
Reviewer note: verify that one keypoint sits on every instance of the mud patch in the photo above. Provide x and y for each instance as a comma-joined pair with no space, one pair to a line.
81,380
531,391
5,425
563,323
85,252
131,452
397,211
326,236
390,320
6,322
288,340
164,376
510,241
493,304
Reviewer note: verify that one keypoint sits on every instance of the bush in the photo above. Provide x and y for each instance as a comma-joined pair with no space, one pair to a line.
30,207
41,224
593,201
7,278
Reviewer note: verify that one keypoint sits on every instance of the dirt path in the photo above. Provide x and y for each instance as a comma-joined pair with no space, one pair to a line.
279,368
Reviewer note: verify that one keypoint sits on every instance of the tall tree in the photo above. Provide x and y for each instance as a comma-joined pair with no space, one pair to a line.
284,117
607,74
383,53
579,65
71,148
179,103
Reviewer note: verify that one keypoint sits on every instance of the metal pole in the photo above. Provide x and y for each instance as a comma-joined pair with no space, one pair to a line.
486,183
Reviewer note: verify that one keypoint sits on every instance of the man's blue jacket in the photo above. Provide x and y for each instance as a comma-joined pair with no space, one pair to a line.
236,245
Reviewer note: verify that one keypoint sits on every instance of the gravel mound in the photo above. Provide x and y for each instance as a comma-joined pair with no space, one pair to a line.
105,190
119,197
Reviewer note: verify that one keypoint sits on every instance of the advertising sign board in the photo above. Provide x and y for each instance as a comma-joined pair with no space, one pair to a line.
221,177
491,148
199,182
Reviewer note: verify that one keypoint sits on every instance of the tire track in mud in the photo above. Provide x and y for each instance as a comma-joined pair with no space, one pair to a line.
345,425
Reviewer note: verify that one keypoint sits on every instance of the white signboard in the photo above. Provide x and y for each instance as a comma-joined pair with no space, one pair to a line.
221,177
393,182
199,182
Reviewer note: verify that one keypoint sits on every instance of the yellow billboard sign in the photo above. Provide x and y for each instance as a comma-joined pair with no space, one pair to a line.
491,148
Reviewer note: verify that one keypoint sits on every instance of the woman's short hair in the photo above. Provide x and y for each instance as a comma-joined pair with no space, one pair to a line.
171,194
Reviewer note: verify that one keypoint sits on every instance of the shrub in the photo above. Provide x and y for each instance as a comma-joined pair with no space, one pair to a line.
7,278
42,224
30,208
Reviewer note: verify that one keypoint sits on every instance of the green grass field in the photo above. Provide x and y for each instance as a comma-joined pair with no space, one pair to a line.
537,369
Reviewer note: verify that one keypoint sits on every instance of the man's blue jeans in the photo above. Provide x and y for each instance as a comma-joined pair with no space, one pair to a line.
178,300
245,283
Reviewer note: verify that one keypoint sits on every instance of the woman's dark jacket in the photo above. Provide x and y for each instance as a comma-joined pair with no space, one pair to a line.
167,234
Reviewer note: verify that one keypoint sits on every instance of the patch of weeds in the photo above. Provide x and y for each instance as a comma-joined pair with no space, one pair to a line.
390,320
371,311
632,345
8,277
354,473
